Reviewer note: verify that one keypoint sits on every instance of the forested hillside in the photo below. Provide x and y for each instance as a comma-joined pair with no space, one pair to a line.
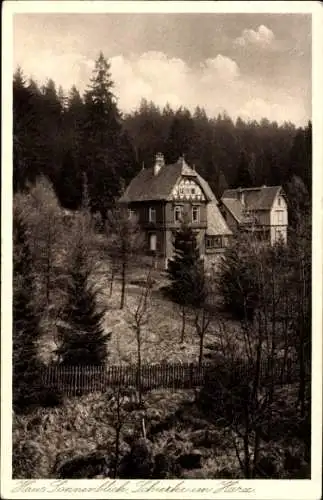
63,136
84,299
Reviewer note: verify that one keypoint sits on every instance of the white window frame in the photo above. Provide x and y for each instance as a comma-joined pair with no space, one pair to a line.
197,208
152,214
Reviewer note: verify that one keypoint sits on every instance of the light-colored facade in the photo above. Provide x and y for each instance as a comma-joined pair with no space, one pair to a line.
262,211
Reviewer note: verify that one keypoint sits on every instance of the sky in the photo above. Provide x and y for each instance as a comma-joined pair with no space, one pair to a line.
248,65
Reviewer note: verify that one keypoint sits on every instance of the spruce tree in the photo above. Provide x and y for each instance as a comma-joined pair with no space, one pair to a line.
185,270
181,136
26,332
243,177
82,334
107,153
238,282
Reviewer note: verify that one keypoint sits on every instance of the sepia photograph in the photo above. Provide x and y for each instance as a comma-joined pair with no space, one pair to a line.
162,247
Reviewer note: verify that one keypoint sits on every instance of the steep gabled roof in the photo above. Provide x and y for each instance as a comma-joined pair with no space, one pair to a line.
147,186
254,199
258,198
216,224
235,208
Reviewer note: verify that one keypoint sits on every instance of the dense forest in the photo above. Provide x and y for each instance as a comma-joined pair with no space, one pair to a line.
64,136
72,304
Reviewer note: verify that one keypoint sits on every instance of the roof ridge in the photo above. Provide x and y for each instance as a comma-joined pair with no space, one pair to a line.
255,188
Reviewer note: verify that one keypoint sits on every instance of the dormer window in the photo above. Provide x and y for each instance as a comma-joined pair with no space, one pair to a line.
212,242
152,214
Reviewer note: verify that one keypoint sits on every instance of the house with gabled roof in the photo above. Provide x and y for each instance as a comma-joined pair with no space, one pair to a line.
260,210
162,196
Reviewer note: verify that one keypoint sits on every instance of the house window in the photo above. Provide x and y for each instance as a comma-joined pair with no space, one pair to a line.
192,190
279,201
131,213
153,242
152,214
195,214
213,242
280,217
177,214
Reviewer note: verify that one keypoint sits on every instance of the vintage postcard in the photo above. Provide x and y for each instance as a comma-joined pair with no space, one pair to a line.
161,250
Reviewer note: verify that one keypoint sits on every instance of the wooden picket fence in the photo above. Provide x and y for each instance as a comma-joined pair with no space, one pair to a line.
76,380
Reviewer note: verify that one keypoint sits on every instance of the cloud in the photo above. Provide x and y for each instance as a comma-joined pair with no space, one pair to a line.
153,75
217,83
219,67
262,37
274,110
65,69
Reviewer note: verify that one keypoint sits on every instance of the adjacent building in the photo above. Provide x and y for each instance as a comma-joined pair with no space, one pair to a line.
260,210
161,196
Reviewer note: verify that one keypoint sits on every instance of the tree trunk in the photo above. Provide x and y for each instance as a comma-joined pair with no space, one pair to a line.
48,276
112,280
256,379
246,443
183,323
255,452
139,367
123,284
302,381
117,450
302,326
201,348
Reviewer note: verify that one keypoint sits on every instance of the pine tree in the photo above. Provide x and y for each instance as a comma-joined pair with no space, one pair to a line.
82,333
50,133
237,280
22,126
69,181
181,136
185,270
26,332
102,139
243,177
222,185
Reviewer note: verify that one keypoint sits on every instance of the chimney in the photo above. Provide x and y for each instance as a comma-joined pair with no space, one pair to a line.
241,195
159,163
